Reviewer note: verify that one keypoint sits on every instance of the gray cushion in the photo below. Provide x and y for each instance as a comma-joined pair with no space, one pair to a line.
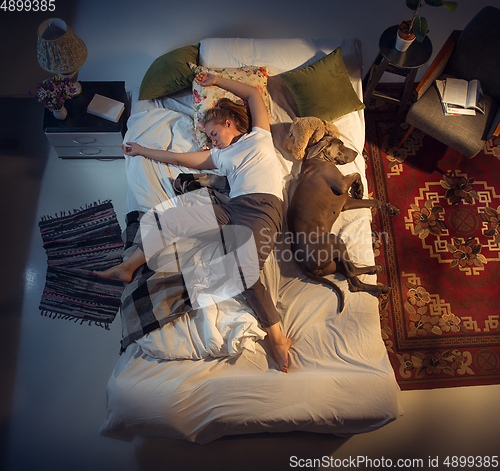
465,134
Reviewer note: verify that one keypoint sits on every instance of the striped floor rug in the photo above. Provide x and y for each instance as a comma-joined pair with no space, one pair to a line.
76,243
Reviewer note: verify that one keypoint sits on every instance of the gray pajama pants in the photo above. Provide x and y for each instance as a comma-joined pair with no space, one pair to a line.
260,213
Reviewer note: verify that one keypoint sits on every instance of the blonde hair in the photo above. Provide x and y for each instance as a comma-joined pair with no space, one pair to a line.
226,109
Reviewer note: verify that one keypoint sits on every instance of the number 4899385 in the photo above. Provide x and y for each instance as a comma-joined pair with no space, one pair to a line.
28,5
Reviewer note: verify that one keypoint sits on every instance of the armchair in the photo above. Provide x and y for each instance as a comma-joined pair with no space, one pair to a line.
473,53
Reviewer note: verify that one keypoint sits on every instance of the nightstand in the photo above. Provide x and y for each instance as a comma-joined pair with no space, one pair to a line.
405,64
82,135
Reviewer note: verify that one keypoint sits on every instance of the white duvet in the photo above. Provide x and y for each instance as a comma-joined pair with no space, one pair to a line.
222,328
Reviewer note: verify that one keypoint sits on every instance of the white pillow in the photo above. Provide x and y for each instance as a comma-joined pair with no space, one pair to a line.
279,55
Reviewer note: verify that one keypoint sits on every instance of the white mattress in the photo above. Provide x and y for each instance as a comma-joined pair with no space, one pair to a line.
174,383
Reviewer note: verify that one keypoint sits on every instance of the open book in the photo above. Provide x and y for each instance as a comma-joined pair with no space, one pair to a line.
460,97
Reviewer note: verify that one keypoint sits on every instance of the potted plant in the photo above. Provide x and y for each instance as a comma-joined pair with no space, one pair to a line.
53,92
417,28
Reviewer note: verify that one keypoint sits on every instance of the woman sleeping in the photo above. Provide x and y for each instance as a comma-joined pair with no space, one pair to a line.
243,150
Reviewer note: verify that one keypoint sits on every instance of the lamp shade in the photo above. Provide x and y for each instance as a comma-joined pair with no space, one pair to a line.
59,49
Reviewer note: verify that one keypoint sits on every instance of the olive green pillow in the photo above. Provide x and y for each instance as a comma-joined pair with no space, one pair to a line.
169,73
323,89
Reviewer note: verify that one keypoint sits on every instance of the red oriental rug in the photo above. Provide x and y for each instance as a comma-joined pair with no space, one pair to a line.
441,256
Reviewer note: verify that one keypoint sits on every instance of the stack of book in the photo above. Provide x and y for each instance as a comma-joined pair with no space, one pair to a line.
460,97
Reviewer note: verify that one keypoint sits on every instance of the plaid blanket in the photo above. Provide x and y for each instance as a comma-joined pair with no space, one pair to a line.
152,298
155,298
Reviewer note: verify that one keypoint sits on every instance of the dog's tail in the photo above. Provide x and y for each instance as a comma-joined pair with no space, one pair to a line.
326,281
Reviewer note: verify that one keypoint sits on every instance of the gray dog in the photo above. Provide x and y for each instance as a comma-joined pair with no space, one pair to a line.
322,193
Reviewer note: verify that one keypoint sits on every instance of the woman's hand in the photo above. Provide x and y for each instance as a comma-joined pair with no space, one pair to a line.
132,149
205,80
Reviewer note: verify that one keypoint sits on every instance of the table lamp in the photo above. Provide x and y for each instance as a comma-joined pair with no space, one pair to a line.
60,51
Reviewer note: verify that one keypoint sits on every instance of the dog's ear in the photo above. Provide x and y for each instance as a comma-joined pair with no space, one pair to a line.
317,148
337,152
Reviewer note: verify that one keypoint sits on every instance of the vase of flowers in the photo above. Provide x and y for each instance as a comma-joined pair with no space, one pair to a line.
53,92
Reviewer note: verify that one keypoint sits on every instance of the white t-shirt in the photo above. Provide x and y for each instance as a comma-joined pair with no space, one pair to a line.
250,165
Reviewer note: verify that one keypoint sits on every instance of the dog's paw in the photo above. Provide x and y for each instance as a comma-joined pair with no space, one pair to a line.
357,189
383,289
390,209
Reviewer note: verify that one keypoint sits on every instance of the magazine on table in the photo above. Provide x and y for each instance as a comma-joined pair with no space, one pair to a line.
460,97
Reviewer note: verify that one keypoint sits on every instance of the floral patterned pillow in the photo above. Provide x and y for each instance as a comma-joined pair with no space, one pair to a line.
204,98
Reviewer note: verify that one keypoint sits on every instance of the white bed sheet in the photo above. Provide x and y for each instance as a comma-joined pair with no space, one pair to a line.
340,379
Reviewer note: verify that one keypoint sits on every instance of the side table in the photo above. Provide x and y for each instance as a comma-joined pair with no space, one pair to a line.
85,136
405,64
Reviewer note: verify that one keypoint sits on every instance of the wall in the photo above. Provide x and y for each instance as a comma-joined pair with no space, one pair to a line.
123,37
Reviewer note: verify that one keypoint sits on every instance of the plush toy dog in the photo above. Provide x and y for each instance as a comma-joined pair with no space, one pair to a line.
305,132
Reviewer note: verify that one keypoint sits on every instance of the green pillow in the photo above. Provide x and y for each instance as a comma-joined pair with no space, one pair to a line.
323,89
169,73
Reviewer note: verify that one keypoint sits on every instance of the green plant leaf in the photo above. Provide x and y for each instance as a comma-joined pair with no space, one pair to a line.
412,4
450,6
434,3
420,28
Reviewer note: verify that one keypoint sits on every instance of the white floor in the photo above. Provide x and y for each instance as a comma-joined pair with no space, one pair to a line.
58,383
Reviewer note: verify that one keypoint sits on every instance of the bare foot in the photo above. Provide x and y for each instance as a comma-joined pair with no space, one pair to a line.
119,272
280,352
280,346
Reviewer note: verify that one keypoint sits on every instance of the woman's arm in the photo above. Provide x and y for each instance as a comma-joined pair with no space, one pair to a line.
201,160
249,93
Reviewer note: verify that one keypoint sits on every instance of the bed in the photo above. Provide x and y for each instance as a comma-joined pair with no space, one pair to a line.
208,372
